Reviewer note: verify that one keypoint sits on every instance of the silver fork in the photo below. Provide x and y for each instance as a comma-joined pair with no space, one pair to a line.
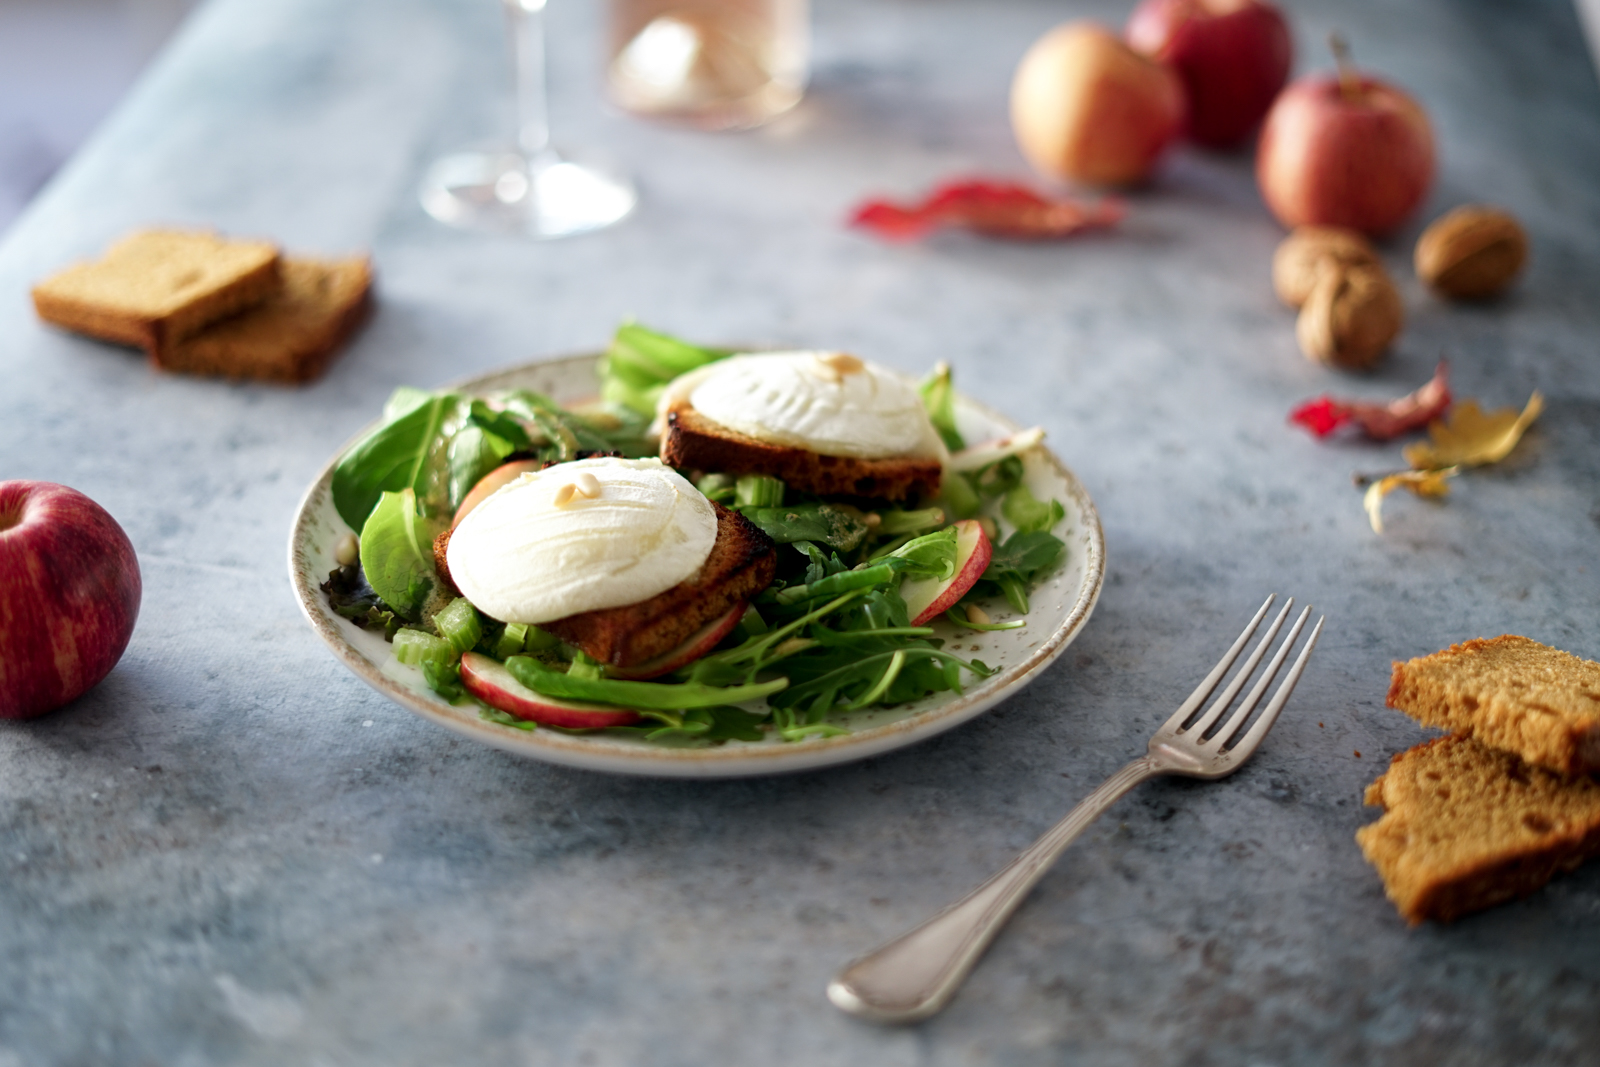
916,974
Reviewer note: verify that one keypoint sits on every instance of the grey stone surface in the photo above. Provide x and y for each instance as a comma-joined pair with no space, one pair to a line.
232,852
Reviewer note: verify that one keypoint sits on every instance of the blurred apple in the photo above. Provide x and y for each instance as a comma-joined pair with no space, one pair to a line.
1233,57
69,595
1085,106
1345,150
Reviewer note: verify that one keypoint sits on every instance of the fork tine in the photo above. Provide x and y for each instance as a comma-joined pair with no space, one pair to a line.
1204,689
1248,743
1240,716
1220,704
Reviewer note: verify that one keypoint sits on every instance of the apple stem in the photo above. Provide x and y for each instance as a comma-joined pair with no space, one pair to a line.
1349,84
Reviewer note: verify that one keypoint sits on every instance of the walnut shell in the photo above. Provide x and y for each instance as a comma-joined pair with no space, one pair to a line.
1350,317
1471,253
1294,265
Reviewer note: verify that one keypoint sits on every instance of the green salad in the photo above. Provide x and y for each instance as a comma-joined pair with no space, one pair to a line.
831,635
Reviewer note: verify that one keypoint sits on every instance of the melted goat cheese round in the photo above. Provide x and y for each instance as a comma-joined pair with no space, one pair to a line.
824,402
521,556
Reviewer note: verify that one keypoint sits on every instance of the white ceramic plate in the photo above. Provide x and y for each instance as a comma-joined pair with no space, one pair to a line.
1060,608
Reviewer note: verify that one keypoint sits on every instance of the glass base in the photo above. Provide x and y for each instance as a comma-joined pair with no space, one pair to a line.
507,192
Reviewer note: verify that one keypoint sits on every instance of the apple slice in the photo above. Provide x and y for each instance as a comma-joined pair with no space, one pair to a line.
698,644
928,598
492,481
489,681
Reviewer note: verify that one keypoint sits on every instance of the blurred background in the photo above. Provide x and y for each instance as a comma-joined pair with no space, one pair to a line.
64,64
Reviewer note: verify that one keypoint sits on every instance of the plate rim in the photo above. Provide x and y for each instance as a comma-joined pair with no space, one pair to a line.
721,761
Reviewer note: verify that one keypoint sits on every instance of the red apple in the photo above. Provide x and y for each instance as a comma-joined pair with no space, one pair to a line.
489,681
696,645
69,595
1345,150
928,598
1085,106
1233,57
489,483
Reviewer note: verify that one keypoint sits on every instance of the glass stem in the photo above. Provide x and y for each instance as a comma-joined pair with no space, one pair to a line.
527,42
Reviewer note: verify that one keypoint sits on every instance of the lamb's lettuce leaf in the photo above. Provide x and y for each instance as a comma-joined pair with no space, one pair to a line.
397,553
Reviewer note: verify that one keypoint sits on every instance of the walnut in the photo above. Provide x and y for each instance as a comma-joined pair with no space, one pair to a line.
1350,317
1471,253
1294,265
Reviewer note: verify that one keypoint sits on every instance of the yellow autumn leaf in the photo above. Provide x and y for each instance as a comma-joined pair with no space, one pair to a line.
1471,437
1422,483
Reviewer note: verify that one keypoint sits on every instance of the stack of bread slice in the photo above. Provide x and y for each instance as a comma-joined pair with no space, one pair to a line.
199,303
1497,809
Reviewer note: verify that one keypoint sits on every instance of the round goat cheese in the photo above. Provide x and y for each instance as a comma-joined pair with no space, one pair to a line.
825,402
581,536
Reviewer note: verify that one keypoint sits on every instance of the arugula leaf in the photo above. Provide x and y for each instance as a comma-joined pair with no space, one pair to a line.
958,496
1018,561
1027,513
642,696
827,677
489,714
394,456
1000,478
820,565
397,553
713,724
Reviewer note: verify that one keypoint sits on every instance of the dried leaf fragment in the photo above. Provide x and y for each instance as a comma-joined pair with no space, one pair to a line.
1380,422
1471,437
995,209
1430,483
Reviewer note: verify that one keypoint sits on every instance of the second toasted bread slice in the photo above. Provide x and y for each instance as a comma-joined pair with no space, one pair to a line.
157,287
1510,693
292,335
693,442
1466,826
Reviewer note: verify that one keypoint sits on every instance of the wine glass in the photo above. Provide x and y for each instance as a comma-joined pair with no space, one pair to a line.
529,187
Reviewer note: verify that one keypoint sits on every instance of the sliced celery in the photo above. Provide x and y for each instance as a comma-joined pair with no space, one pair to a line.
459,624
758,491
414,647
513,639
540,640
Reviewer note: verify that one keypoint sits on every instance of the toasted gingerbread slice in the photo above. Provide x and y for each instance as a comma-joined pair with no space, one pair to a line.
289,337
1466,826
693,442
154,288
1510,693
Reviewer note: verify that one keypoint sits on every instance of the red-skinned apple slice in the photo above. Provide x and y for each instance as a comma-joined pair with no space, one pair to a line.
928,598
489,681
492,481
698,644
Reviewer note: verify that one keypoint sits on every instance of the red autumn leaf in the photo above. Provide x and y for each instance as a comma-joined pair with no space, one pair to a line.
997,209
1380,422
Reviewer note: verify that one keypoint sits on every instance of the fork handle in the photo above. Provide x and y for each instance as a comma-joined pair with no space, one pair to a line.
913,976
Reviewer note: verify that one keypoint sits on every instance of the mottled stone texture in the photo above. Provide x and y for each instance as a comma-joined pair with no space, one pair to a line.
232,852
